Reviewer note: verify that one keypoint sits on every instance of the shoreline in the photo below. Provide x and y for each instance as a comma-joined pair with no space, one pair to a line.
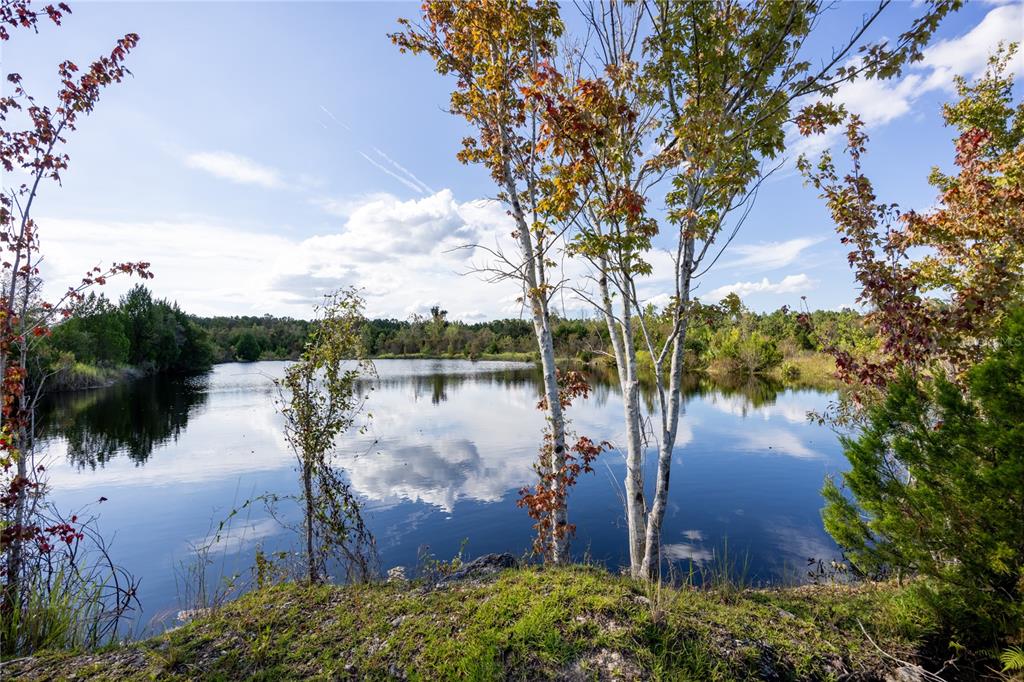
568,623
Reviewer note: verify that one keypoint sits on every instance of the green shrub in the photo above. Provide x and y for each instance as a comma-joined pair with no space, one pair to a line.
937,483
247,348
749,352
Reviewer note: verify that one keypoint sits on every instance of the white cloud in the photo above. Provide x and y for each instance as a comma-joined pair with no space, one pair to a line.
968,54
770,255
208,267
402,253
787,285
235,168
779,441
879,102
685,551
346,206
385,227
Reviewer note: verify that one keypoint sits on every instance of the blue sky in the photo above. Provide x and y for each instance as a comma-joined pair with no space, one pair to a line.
265,152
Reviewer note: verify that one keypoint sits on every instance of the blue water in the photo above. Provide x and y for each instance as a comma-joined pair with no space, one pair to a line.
447,448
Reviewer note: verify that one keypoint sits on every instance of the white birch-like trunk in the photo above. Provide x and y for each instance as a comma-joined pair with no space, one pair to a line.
670,421
560,516
535,291
622,338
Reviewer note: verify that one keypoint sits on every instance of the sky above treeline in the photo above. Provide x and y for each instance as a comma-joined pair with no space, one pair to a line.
264,153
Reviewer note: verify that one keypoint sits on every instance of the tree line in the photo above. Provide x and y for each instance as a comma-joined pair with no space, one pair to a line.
156,335
725,337
153,335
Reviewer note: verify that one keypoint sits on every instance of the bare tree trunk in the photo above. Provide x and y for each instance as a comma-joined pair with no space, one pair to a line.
670,419
621,333
535,291
16,555
560,516
12,596
307,486
636,503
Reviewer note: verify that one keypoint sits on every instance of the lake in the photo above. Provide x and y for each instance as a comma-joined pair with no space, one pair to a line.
449,445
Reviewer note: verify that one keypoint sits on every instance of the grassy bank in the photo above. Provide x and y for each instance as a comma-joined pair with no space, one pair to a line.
807,369
79,376
573,623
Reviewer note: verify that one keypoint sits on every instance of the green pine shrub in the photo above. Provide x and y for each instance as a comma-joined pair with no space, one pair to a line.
936,489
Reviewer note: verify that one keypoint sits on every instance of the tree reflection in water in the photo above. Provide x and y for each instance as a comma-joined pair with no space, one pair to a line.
131,418
135,417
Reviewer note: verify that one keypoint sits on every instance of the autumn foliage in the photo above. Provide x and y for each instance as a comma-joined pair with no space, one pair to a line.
551,491
937,283
934,487
37,152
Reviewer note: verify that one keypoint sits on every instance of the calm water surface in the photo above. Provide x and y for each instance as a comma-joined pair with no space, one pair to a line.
449,445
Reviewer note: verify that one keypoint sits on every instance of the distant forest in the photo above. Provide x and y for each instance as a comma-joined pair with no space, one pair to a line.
154,335
726,336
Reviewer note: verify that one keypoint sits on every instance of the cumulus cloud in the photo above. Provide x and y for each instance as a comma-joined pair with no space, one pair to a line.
403,254
879,102
235,168
968,54
388,228
787,285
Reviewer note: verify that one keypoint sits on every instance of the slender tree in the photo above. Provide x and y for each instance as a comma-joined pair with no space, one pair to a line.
935,480
945,305
493,49
37,152
320,398
700,96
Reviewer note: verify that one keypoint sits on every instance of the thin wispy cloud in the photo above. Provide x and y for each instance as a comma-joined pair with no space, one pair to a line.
404,170
334,118
389,165
770,255
405,181
236,168
789,284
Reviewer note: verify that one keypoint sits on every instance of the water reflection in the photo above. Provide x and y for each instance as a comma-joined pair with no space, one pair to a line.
479,447
754,391
438,384
434,471
130,419
449,446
